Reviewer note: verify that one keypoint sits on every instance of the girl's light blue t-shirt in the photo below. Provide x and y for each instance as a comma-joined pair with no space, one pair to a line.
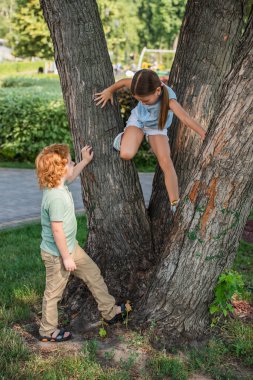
57,206
146,116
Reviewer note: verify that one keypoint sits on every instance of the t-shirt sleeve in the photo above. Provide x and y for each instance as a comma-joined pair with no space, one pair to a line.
134,118
56,210
134,113
172,94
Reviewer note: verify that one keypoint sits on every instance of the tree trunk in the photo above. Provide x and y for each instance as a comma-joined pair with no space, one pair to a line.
119,232
209,35
215,207
216,202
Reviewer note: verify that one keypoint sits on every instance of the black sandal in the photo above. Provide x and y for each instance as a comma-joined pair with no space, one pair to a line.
59,337
126,308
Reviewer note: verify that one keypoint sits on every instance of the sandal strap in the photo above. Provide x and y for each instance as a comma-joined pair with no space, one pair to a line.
60,336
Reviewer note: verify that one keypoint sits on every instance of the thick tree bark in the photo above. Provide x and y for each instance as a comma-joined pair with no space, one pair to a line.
205,232
209,35
119,233
215,207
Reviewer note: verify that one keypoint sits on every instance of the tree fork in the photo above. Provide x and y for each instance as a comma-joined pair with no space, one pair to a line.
211,218
209,36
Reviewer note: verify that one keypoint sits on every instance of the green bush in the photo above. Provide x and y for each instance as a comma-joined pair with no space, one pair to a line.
19,82
33,115
32,81
28,122
127,103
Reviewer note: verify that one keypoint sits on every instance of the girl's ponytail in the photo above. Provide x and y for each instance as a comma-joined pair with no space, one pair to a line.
144,83
164,107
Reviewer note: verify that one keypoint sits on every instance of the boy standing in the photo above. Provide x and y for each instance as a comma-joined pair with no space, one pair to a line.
59,249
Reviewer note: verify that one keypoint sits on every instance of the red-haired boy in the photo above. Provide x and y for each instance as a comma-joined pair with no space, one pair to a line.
59,249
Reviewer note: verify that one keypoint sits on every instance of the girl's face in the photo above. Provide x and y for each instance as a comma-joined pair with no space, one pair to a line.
70,167
149,99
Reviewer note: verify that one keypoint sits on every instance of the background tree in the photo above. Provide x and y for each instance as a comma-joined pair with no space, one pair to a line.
6,11
120,237
118,19
161,21
155,23
29,36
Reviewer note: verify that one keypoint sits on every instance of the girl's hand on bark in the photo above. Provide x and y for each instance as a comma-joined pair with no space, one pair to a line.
202,135
103,97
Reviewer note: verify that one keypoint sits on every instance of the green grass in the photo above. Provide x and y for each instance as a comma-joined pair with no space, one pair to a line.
17,362
22,281
22,275
210,359
47,87
16,165
222,357
13,351
238,337
20,289
17,68
228,355
163,367
66,368
44,80
30,165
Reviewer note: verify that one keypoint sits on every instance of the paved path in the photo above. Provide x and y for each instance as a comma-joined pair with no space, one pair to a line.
20,196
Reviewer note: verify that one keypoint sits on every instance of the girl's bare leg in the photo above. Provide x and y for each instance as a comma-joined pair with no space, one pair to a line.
161,148
130,142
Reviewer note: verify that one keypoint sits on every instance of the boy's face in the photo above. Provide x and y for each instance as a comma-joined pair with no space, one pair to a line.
70,168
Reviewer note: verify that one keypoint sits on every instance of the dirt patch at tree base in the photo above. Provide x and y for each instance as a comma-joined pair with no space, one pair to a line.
121,348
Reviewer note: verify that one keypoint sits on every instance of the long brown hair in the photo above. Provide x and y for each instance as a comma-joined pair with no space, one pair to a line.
144,83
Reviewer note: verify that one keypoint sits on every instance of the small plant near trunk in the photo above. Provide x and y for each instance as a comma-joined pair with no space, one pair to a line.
229,283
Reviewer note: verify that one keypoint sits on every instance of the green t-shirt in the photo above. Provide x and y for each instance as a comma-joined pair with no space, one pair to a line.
57,206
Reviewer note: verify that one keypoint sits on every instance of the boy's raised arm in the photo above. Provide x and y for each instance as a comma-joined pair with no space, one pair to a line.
87,156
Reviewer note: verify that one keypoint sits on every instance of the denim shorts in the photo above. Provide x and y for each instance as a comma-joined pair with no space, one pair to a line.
135,122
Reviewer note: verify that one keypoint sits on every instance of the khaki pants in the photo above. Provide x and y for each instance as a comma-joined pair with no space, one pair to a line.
56,281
